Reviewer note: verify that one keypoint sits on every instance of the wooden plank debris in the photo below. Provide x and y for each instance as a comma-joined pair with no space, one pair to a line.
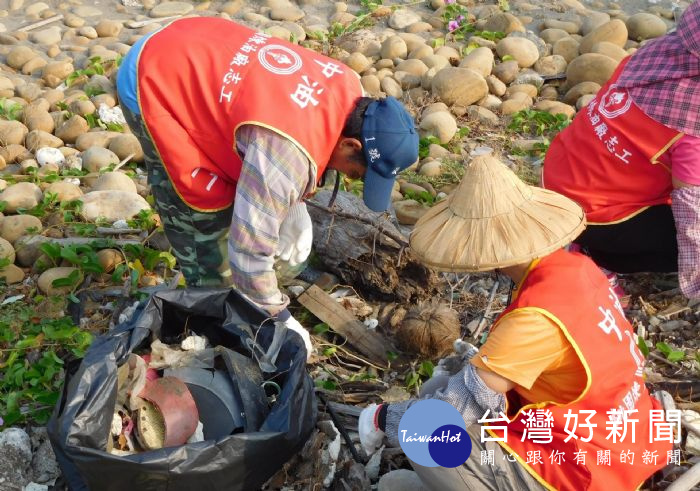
371,344
41,23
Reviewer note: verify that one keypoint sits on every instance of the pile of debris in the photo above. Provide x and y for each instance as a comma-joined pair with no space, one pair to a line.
172,396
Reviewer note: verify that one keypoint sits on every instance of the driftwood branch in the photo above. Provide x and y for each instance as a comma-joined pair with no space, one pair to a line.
399,239
687,481
365,249
687,390
341,428
345,409
41,23
28,177
41,239
661,359
89,240
117,231
487,313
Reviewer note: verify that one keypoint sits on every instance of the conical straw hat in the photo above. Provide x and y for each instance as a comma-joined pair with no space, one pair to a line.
494,220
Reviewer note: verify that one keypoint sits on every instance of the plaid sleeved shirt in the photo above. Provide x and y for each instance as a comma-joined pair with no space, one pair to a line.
275,175
686,213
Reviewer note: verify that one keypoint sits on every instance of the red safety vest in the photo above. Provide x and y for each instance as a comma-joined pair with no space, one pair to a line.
607,160
199,79
605,344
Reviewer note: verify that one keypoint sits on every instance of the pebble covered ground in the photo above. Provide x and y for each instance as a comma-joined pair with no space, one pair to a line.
504,75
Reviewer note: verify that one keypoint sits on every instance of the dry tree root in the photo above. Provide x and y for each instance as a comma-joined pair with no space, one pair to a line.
367,251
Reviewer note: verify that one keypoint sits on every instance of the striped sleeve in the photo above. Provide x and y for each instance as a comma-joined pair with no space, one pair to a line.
685,204
275,174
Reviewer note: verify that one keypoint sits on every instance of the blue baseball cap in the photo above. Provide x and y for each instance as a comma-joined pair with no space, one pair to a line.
390,145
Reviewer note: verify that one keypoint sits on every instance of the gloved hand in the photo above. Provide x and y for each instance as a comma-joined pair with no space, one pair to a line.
453,364
463,348
293,324
296,235
370,435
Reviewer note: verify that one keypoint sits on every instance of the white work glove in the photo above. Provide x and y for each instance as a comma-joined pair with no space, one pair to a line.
294,325
370,435
296,235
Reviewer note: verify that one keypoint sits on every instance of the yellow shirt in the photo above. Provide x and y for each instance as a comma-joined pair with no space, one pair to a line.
530,350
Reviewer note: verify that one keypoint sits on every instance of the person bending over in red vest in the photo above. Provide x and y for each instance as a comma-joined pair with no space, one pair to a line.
237,127
561,350
631,159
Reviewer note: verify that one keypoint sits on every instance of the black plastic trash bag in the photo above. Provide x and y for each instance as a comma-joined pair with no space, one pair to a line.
80,424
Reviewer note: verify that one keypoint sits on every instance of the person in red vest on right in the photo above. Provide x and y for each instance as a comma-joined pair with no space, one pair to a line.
560,372
631,159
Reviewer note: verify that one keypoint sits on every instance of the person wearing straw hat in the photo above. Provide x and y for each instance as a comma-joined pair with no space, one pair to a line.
639,178
562,347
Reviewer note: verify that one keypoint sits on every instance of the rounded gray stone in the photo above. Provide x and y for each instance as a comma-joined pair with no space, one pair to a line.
87,11
166,9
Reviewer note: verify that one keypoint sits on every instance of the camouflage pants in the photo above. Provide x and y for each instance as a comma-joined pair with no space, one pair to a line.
199,239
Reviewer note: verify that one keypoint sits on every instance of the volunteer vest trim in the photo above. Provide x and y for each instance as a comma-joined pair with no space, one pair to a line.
199,79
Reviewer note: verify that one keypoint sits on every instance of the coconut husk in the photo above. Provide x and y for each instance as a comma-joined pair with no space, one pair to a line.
429,330
494,220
